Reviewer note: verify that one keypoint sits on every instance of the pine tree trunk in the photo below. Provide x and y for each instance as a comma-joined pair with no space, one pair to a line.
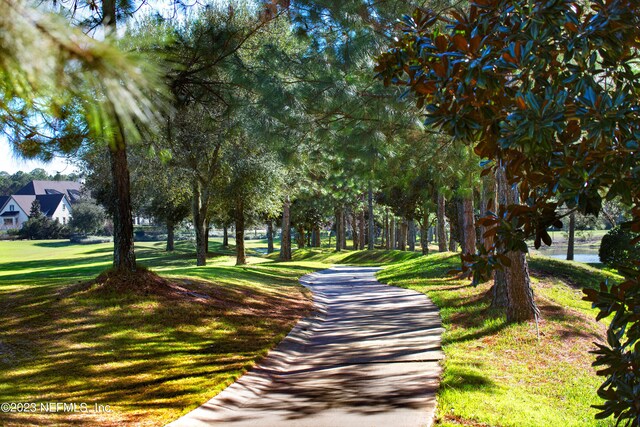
354,231
361,231
386,229
411,236
442,238
520,303
487,204
316,237
343,228
372,237
572,236
452,241
300,237
270,236
285,241
124,257
225,237
200,201
424,234
499,290
339,223
206,236
392,232
171,227
241,258
402,241
469,225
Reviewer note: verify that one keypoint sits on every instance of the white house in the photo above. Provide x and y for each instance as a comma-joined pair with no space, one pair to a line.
55,199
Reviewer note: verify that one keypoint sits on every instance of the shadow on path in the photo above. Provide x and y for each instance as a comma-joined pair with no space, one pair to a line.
368,356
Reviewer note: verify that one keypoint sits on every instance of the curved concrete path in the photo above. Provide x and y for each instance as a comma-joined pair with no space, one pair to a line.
368,356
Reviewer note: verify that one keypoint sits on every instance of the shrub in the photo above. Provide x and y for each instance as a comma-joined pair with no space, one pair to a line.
617,249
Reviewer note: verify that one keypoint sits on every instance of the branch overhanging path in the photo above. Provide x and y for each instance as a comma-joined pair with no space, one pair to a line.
368,356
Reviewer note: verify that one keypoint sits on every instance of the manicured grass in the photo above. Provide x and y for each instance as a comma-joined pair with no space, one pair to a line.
501,374
150,357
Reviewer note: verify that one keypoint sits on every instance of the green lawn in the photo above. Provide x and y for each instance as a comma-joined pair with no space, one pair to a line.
153,357
150,357
499,374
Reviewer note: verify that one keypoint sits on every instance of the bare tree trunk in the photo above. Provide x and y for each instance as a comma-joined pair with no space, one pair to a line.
285,240
402,243
411,235
520,303
270,236
316,237
424,233
241,258
343,228
225,236
372,237
354,231
361,231
469,236
171,228
452,241
572,236
386,229
339,224
442,238
487,203
200,205
300,237
206,236
392,232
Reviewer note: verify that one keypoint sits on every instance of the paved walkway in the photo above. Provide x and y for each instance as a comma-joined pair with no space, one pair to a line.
368,356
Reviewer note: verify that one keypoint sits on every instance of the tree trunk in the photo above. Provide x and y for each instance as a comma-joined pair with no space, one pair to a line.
270,236
520,303
171,227
124,257
200,204
300,237
402,241
285,240
452,241
392,232
411,235
469,225
343,229
225,237
572,236
354,231
206,236
361,230
386,229
424,233
487,204
339,223
372,236
241,258
316,237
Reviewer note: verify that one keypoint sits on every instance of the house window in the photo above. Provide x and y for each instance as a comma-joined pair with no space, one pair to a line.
12,208
64,208
8,221
64,218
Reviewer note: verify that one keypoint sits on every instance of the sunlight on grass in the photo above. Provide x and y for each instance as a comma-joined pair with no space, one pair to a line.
150,358
500,374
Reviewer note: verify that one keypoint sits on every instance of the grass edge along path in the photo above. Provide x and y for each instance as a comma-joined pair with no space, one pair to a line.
499,374
150,357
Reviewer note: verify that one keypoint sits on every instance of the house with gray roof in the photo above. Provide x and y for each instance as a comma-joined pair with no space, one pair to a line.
55,198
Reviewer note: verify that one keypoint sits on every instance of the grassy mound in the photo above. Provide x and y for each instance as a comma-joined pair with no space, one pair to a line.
151,347
501,374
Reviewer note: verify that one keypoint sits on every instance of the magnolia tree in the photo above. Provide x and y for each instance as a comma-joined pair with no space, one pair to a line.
547,92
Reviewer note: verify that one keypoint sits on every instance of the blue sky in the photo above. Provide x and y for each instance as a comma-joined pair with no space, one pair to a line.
10,163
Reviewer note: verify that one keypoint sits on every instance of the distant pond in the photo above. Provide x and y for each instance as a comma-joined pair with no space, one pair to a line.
582,253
